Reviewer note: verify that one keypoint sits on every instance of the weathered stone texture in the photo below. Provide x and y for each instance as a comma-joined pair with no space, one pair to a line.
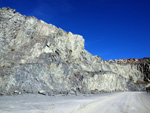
36,57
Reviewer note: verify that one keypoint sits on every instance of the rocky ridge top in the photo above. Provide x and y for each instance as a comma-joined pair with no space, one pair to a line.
132,60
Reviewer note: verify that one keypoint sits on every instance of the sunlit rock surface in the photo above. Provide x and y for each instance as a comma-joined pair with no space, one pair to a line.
36,57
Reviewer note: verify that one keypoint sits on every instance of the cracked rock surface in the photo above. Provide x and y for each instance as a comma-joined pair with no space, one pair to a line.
39,57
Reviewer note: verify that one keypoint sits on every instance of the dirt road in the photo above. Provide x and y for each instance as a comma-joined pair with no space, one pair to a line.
121,102
126,102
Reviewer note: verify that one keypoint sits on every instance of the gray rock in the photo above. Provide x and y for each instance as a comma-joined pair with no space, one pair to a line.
42,92
17,92
36,57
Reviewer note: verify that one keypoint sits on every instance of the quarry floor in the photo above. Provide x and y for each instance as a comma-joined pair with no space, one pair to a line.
120,102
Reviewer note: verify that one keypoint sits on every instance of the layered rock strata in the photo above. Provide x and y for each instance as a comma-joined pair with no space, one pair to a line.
36,57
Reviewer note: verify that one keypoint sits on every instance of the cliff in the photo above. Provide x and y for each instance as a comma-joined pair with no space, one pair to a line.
143,65
36,57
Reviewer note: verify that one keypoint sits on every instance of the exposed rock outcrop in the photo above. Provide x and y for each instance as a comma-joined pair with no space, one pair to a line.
143,65
38,57
145,60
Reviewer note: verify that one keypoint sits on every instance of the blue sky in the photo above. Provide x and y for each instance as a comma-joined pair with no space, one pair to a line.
112,29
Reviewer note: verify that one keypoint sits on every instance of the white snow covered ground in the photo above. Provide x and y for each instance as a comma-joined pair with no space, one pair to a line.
120,102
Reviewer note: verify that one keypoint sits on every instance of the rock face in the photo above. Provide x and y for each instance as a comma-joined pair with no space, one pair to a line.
145,60
143,65
39,57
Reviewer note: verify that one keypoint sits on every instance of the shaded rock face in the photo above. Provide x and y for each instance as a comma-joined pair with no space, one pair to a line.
36,57
143,65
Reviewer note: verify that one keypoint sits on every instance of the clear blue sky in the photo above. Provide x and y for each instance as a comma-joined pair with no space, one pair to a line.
112,29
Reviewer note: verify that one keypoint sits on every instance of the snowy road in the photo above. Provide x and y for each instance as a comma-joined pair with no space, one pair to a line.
122,102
